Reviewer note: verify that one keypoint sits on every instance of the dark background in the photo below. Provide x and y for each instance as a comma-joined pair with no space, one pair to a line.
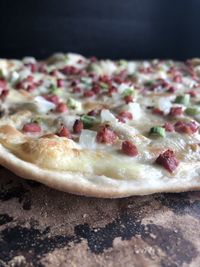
105,28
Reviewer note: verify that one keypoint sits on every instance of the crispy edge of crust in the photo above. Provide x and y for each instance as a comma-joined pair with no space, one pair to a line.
95,186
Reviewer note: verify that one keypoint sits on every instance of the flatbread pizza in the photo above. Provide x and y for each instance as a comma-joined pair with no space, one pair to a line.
101,128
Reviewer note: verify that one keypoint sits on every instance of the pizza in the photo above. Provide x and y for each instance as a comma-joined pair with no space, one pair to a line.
101,128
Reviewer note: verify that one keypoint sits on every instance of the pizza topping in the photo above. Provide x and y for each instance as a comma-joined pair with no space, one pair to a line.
176,111
192,93
157,131
87,139
107,116
74,104
42,105
186,127
164,104
61,107
168,127
183,99
106,136
88,121
129,148
192,111
31,128
168,160
64,132
52,98
88,93
78,126
128,99
157,111
126,115
3,89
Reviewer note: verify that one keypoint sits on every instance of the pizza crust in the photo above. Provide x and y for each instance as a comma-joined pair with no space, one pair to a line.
93,185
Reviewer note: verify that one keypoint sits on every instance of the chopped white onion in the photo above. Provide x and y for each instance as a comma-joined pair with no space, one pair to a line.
162,74
164,104
88,139
72,59
106,115
43,106
131,67
108,67
28,60
189,82
24,74
135,110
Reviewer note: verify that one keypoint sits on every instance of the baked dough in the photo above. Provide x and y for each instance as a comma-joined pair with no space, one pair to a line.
134,102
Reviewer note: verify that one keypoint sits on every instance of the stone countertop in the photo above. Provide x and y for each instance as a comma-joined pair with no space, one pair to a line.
41,227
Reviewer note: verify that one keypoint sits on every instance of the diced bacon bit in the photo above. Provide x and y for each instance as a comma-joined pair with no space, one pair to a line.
165,84
177,78
96,89
31,87
54,73
93,76
74,83
32,66
94,112
111,90
128,99
168,160
61,107
82,73
31,128
186,127
25,83
169,127
88,93
192,93
121,119
64,132
70,70
76,89
118,79
40,82
104,79
176,111
106,136
52,98
157,111
60,83
171,89
129,148
29,79
126,115
78,126
147,70
3,89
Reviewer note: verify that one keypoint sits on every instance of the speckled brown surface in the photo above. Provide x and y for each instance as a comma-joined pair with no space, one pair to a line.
43,227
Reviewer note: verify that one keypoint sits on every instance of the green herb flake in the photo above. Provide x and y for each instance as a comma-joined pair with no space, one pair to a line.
183,99
103,85
123,63
88,121
157,131
1,74
128,91
192,111
54,89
